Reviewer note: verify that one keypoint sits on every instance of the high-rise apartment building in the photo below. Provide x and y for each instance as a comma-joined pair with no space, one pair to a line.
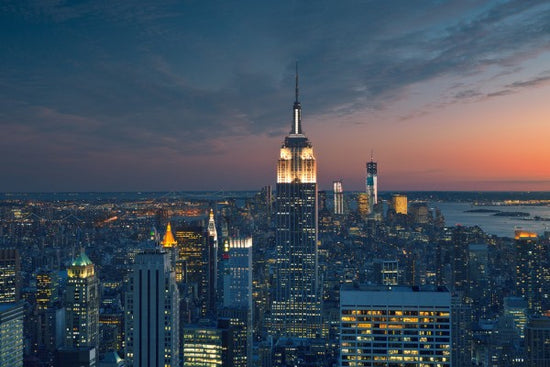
151,319
394,326
338,198
372,183
529,277
82,304
10,275
296,308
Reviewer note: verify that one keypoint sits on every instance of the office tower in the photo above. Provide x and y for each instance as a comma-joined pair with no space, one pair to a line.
399,203
296,308
10,275
338,198
461,332
237,297
515,308
211,260
48,314
537,335
372,183
390,272
387,326
420,212
238,273
460,259
111,331
529,254
363,204
478,291
82,304
11,334
203,345
47,289
152,310
190,242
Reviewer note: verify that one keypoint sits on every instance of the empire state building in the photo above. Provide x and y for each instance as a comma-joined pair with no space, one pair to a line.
296,307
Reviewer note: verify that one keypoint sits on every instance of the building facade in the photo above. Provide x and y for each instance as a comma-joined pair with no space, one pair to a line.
394,326
10,275
529,277
151,319
372,183
338,198
11,334
82,304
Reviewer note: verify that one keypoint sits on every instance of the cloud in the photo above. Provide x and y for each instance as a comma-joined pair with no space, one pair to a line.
177,77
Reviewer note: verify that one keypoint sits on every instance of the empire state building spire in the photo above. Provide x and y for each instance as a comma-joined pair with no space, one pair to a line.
297,121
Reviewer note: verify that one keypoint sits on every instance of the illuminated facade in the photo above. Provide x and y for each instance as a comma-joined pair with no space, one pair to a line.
151,317
211,257
190,242
47,312
238,273
372,183
394,326
399,204
363,204
529,269
295,308
237,297
202,346
390,272
11,334
10,275
338,198
516,309
82,304
168,239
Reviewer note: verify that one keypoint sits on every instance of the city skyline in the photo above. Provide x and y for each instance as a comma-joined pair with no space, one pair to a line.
156,96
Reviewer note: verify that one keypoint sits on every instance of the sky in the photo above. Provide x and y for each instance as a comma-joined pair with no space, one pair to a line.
197,95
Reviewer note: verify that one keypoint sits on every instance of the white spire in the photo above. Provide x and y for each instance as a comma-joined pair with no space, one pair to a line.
297,120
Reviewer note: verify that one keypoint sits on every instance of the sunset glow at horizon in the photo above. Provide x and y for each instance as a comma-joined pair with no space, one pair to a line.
450,96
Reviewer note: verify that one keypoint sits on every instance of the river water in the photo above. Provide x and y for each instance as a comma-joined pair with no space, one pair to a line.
455,213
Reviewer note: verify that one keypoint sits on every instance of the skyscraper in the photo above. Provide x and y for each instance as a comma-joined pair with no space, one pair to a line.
537,334
152,325
10,275
529,252
212,265
399,203
338,198
296,309
237,297
11,334
372,183
82,304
